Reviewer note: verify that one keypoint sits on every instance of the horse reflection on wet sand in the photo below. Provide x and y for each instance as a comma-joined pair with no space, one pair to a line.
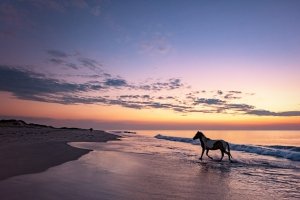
208,144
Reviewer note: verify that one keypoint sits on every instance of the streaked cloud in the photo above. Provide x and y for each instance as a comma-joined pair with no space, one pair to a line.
269,113
34,86
115,82
90,63
170,84
57,61
57,53
73,61
29,85
209,101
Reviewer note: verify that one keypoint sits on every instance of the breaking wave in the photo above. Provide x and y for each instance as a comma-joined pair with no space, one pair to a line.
288,152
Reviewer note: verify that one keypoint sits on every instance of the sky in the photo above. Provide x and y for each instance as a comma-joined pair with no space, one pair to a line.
145,64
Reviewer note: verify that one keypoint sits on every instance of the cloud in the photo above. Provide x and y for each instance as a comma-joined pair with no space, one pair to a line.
115,82
170,84
135,97
231,96
90,63
130,96
209,101
29,85
72,65
235,92
238,107
175,83
33,86
219,92
59,57
57,61
57,53
270,113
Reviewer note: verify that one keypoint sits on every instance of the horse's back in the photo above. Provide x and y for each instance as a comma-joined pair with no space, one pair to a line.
216,144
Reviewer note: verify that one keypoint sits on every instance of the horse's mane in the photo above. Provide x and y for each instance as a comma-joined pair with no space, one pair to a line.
205,136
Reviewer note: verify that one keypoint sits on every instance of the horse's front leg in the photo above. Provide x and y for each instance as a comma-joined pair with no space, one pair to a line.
207,150
222,153
202,153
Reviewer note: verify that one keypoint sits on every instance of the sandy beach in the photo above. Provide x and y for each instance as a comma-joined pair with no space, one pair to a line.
31,149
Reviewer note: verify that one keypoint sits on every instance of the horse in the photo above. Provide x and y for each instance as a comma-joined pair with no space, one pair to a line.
208,144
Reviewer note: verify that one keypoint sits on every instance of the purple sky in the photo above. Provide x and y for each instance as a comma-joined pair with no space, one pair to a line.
190,61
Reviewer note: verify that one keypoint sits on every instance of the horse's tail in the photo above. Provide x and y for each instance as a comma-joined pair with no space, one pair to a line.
228,149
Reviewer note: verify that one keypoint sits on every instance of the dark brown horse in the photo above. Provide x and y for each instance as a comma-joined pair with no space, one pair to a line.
208,144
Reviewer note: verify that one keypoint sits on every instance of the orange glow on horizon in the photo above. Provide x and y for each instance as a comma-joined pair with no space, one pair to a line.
156,117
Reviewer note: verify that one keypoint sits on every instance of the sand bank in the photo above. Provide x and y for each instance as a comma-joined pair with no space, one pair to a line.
26,150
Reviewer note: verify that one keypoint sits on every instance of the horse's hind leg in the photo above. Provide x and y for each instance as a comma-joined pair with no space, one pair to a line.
228,153
222,152
208,155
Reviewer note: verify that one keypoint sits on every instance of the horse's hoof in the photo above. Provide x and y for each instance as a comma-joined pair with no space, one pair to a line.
200,158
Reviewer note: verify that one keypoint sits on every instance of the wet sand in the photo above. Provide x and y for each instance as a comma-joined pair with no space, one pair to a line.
26,150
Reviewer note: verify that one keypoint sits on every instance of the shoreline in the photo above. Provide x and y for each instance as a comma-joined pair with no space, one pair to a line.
26,150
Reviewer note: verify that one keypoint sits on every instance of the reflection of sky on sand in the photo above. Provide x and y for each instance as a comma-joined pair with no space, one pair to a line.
156,170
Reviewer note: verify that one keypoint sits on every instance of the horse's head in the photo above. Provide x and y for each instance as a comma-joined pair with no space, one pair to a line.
198,135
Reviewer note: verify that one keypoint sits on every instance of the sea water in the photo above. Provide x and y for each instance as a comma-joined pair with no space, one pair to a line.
269,160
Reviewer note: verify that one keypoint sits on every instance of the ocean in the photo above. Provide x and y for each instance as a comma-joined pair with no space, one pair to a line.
284,144
262,160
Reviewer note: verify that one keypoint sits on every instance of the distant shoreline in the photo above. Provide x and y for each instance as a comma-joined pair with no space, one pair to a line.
32,148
